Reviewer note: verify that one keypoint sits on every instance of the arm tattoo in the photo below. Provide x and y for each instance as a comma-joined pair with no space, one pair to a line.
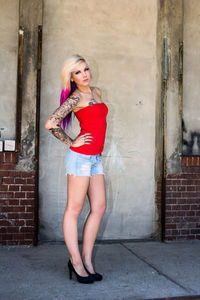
59,114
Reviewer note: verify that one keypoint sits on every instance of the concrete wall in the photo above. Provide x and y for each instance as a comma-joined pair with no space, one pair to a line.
191,87
9,19
119,40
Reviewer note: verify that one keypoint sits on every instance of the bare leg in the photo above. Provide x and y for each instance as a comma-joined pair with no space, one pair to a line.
77,190
97,198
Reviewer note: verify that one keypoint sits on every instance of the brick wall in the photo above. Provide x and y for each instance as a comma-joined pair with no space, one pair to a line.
17,202
182,215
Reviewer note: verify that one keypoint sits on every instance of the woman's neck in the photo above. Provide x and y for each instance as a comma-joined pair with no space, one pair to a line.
85,89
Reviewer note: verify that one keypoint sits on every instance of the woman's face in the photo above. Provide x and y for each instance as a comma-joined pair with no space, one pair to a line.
82,75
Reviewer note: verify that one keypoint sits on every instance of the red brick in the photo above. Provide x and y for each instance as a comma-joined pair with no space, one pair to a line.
195,207
170,238
6,195
192,188
27,174
1,157
27,229
28,188
189,194
193,200
184,161
26,202
8,180
7,167
180,213
190,161
4,202
15,174
30,209
3,187
4,173
3,229
195,161
171,201
28,236
26,242
184,232
195,231
12,243
13,209
20,181
168,207
26,216
181,188
13,216
171,188
30,195
13,188
170,226
5,223
7,157
7,236
30,223
18,222
30,181
190,213
18,236
13,202
13,229
20,195
182,201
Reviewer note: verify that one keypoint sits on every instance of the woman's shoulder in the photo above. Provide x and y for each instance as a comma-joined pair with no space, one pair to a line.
97,90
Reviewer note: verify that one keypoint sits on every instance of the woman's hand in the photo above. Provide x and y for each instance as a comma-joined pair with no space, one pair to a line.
81,140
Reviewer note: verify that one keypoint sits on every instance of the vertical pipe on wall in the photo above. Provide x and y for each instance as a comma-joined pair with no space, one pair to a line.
163,122
19,87
38,89
180,91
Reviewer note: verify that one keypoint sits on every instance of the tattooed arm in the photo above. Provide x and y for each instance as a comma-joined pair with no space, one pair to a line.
53,122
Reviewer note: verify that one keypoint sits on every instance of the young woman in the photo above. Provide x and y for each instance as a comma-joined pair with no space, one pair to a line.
83,162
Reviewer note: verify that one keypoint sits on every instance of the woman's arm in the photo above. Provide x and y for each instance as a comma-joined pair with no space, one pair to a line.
53,122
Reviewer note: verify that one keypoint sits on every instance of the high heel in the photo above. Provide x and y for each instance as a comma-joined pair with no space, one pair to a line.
81,279
96,276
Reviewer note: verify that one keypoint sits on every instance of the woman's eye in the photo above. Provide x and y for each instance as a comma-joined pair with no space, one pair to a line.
86,69
77,72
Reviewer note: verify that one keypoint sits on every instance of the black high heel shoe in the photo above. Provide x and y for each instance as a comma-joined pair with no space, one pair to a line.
96,276
81,279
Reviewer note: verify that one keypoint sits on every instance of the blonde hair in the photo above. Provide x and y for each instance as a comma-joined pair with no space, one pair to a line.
69,66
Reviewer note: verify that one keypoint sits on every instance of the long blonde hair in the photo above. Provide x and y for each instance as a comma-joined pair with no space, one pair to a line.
68,87
69,66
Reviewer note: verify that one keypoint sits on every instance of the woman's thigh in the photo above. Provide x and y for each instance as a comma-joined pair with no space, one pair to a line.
96,192
77,187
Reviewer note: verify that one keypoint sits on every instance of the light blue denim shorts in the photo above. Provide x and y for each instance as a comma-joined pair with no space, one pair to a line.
79,164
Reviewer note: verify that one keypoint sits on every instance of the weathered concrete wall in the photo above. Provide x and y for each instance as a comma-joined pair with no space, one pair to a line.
30,18
9,19
119,39
191,87
173,31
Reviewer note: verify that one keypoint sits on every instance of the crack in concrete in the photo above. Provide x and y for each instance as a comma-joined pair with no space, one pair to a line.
188,290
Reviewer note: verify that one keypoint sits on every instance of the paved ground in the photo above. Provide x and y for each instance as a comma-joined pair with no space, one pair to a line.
131,270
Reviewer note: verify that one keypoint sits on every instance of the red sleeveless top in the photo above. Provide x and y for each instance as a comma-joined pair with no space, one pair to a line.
92,120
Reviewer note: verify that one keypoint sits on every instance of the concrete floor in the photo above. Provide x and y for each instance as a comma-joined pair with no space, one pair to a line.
131,270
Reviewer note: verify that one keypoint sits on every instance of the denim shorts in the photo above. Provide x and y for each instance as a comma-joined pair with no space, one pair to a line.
79,164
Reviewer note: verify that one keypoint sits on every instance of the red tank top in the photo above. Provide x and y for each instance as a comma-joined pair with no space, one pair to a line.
92,120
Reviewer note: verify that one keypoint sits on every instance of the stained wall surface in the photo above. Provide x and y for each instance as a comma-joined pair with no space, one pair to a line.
191,87
119,40
9,19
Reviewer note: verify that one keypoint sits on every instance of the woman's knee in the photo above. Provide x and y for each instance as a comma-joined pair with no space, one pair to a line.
74,210
99,210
